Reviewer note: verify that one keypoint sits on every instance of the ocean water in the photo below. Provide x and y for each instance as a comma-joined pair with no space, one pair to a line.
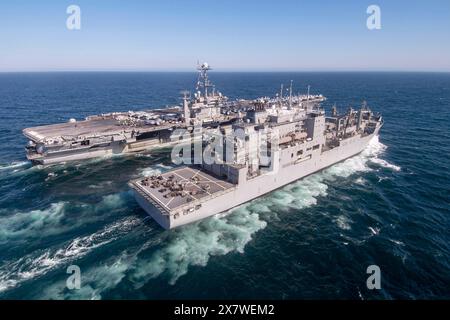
312,239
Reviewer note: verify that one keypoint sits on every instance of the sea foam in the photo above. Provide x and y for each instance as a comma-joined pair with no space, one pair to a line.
40,262
195,244
14,165
32,223
58,218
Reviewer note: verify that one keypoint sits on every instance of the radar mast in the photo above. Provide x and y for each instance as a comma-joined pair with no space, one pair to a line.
203,81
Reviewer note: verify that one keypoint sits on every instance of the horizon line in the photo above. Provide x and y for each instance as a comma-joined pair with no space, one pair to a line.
226,71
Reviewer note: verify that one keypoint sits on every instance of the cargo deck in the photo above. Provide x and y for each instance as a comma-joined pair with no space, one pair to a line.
180,187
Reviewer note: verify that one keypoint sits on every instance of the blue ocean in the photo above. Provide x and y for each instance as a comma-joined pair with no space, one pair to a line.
313,239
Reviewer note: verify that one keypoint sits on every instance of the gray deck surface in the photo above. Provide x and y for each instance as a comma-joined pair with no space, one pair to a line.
75,129
85,127
185,175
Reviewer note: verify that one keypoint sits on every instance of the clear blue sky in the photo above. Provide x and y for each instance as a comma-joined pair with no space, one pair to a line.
229,34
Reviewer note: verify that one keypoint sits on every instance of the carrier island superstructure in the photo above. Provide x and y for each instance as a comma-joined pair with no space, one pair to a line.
299,140
133,131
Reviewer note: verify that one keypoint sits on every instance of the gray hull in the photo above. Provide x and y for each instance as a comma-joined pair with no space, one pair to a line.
115,148
260,185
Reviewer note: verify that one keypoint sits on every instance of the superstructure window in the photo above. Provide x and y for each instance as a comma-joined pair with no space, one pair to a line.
317,146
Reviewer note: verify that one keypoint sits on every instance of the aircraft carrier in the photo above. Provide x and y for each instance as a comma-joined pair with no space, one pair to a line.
278,141
132,131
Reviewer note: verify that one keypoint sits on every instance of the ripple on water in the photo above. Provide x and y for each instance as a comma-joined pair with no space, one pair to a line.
195,244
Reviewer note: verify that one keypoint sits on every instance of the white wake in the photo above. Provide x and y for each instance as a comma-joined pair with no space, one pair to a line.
195,244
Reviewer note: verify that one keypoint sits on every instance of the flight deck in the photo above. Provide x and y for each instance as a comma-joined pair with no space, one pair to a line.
180,187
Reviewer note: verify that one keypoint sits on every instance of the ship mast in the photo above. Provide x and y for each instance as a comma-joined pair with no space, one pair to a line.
290,96
281,96
203,81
